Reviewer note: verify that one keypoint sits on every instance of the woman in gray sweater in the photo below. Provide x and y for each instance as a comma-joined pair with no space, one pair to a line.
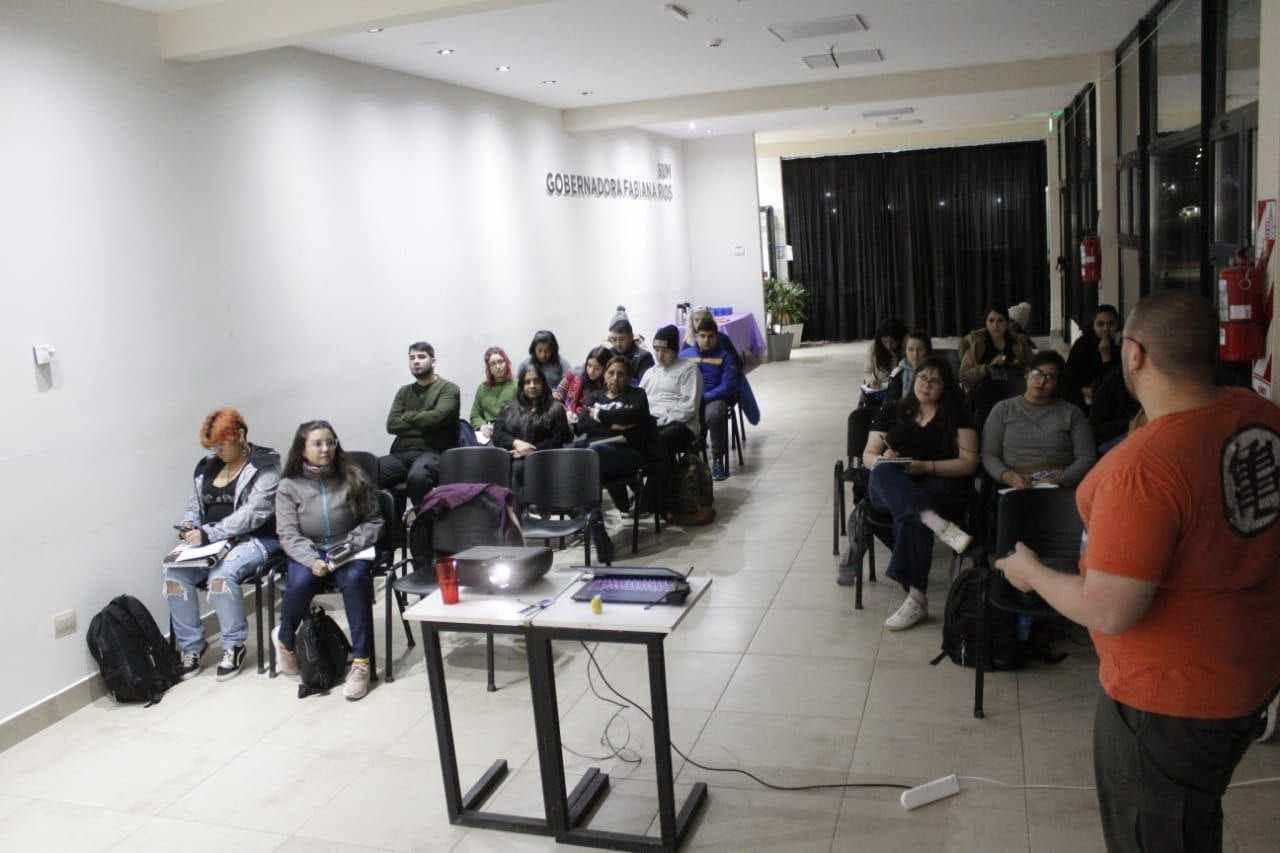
325,507
1038,438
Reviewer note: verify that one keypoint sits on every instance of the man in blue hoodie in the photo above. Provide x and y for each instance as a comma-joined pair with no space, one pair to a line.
720,375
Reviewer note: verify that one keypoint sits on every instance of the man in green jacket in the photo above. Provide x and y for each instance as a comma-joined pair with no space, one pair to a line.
424,421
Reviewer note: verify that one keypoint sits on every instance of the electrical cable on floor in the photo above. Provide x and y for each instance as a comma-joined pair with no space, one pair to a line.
605,741
752,776
746,773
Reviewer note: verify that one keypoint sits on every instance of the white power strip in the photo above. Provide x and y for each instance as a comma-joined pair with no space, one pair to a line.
938,789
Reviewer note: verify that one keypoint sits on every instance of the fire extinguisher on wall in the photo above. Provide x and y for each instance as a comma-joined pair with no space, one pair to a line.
1241,330
1090,259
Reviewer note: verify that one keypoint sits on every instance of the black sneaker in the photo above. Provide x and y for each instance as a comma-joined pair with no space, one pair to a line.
230,665
189,662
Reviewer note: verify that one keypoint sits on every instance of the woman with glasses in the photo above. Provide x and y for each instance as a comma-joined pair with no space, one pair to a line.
497,389
922,452
326,506
1038,438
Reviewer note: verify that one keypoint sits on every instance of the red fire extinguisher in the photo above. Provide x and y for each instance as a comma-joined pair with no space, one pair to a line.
1090,259
1241,334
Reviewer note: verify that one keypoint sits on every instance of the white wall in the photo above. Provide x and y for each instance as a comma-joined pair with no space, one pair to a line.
724,219
270,232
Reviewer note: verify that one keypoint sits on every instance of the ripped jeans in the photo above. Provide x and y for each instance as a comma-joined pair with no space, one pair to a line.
225,594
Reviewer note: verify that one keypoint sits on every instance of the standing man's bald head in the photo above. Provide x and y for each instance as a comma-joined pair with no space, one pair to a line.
1178,332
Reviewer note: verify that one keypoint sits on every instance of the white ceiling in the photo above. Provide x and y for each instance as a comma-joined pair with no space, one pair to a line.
1030,105
162,6
630,50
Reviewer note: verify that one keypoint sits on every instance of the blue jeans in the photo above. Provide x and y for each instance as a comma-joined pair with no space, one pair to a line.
903,496
225,595
356,585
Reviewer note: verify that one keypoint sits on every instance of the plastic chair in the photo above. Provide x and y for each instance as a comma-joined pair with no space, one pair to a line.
1048,522
463,527
565,481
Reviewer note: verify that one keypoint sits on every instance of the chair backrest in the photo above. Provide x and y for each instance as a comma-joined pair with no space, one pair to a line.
988,392
1046,520
367,462
857,431
952,356
476,465
473,523
392,530
562,480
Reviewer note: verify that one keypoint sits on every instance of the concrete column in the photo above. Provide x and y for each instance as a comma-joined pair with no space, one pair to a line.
1268,183
1108,193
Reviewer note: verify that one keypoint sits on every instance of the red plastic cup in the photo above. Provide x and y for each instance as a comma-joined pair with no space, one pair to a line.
447,579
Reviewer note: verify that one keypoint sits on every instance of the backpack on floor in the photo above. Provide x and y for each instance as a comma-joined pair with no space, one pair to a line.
322,651
136,662
692,498
960,626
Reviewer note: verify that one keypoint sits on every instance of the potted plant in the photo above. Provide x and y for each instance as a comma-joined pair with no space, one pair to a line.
785,304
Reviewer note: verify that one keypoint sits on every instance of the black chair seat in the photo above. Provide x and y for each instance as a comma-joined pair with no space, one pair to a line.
552,528
419,582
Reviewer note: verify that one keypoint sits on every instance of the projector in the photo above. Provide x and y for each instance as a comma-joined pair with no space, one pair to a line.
501,568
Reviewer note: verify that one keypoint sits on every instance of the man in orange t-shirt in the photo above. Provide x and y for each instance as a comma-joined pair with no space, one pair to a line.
1180,586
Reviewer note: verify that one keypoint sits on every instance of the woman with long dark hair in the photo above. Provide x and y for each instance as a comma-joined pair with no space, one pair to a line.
922,452
325,505
993,351
531,422
884,354
544,350
575,388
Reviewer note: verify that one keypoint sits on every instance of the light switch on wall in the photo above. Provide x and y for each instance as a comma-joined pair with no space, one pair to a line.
738,250
43,353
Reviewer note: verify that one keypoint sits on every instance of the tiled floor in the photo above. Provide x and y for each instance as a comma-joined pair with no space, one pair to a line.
773,672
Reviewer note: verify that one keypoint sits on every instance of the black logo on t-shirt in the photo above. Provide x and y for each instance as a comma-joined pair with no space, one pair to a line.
1251,479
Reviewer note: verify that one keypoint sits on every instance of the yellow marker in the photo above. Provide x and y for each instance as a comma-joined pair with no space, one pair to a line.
597,605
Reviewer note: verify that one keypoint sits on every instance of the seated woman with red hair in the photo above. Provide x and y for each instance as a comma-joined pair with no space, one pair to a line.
233,498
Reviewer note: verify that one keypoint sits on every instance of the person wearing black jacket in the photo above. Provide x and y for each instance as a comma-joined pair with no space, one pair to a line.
617,422
1092,356
531,422
1112,411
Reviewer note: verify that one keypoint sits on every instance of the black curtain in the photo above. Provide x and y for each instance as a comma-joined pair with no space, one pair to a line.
929,237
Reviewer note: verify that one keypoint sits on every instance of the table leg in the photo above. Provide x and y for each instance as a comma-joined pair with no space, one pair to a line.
464,810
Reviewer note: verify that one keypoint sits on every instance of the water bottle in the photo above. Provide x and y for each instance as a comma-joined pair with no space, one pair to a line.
1024,627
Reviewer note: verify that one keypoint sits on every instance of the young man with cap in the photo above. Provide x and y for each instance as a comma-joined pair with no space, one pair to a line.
1179,584
622,341
424,421
674,388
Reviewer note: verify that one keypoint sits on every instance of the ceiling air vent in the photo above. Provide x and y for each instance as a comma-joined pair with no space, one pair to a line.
817,29
843,58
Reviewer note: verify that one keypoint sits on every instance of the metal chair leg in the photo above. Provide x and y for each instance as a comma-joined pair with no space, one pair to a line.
488,659
257,618
271,622
871,553
387,593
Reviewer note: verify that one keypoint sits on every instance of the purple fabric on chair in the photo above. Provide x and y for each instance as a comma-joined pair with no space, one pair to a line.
745,333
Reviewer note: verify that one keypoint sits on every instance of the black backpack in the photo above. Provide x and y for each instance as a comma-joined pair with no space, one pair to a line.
692,498
136,662
322,651
961,622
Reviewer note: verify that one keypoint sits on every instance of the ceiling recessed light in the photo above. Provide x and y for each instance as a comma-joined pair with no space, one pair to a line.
692,125
707,132
445,51
715,42
504,68
586,92
374,30
548,82
891,111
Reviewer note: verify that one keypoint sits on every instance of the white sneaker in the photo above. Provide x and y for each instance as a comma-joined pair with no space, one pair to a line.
286,661
910,614
357,683
1267,721
955,538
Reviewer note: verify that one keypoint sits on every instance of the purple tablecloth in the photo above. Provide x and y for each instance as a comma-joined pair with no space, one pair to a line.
745,333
